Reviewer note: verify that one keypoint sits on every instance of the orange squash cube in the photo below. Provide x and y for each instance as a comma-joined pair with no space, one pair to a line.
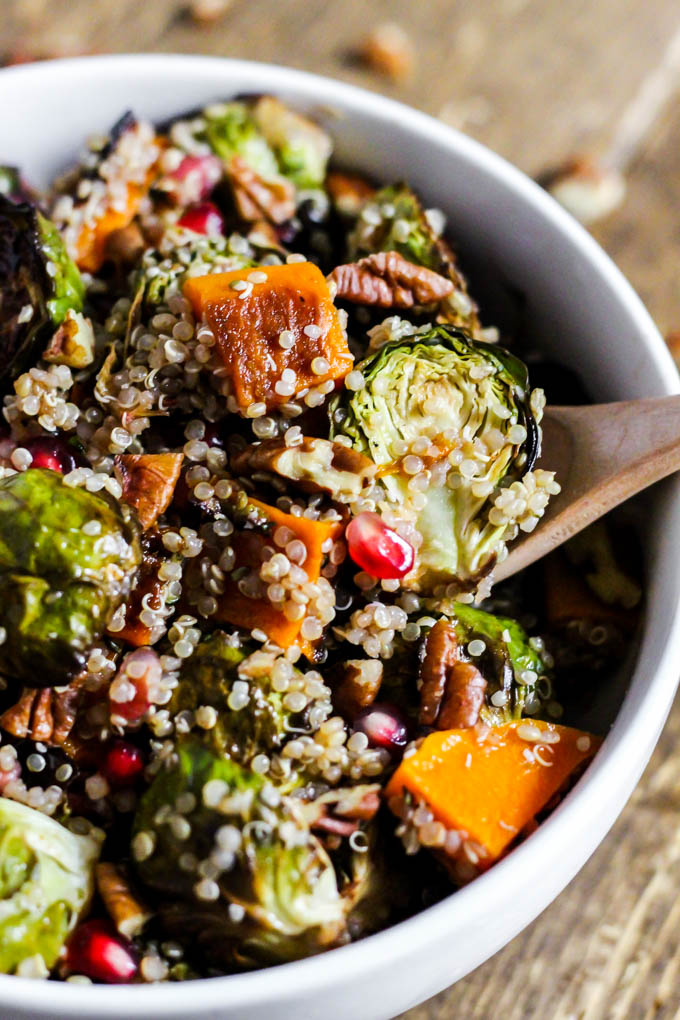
492,788
248,319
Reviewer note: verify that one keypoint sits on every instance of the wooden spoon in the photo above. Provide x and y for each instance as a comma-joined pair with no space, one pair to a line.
602,454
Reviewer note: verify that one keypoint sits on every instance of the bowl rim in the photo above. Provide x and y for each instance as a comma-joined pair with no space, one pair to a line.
583,805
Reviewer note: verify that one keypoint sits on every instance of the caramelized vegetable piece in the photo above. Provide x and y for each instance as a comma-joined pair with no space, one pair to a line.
93,239
148,481
491,789
293,298
148,588
241,611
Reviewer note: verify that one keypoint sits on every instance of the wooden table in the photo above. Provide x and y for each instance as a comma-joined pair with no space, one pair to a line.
536,80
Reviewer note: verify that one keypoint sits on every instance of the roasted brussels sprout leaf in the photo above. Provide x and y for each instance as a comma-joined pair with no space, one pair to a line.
274,896
12,186
59,582
467,408
46,881
394,220
40,285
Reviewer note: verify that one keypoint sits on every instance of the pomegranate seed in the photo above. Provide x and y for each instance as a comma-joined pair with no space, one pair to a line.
213,435
202,218
124,762
51,453
142,671
98,951
377,549
195,177
384,725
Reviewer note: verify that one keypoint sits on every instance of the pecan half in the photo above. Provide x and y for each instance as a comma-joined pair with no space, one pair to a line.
452,691
256,197
317,465
440,654
359,686
46,713
387,280
148,482
128,914
463,698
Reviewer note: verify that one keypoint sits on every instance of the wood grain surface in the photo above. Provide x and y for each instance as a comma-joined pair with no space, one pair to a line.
537,80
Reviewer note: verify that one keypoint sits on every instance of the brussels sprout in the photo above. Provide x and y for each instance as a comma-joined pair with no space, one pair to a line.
510,662
59,583
12,186
467,403
207,678
46,880
274,893
231,130
40,285
403,226
163,273
301,146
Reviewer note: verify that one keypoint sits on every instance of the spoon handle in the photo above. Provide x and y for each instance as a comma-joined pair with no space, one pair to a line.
602,455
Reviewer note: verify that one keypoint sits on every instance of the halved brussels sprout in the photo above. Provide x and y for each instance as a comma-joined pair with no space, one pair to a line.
240,877
46,882
450,423
40,285
59,581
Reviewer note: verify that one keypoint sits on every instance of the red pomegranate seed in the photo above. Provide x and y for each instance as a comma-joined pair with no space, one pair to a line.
196,176
377,549
142,670
384,725
202,218
52,453
124,762
98,951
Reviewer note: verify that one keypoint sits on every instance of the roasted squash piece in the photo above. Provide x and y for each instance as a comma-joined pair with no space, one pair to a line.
148,481
239,610
249,317
489,789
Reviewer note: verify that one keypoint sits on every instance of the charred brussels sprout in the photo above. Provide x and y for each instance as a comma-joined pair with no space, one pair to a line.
46,880
274,894
59,582
40,285
208,677
450,424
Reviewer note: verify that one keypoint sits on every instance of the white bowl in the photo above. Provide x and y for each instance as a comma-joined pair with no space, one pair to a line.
584,311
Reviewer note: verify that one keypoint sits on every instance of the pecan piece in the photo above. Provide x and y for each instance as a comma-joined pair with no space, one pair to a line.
387,280
359,686
128,914
46,713
440,654
256,197
463,698
317,465
148,482
125,245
